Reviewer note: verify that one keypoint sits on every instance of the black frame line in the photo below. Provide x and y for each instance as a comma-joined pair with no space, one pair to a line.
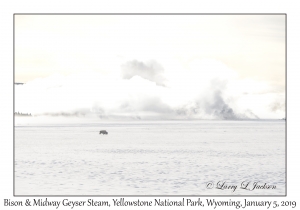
149,13
14,105
14,194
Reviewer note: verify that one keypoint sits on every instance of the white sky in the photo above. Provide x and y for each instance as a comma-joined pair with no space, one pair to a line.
252,45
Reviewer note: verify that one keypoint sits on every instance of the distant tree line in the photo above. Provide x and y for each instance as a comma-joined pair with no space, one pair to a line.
22,114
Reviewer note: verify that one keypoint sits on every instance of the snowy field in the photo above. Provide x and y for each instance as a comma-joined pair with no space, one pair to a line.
150,158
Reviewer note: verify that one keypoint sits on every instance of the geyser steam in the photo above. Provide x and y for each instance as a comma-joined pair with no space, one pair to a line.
205,89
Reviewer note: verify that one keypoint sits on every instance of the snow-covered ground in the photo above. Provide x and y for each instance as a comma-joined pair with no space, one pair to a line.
150,158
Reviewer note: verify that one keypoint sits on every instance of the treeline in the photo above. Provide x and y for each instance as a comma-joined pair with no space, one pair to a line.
22,114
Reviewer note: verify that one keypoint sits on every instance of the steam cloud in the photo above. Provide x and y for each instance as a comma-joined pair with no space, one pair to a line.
140,92
151,71
277,106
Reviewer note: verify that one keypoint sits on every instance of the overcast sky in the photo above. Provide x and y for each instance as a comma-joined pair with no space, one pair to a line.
246,53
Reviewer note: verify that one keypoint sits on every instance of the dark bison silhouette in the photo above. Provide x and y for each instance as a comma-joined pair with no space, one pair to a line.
103,132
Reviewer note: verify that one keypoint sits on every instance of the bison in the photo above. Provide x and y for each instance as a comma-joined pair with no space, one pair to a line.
103,132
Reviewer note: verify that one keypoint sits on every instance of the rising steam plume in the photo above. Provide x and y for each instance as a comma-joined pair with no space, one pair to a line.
143,90
150,70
